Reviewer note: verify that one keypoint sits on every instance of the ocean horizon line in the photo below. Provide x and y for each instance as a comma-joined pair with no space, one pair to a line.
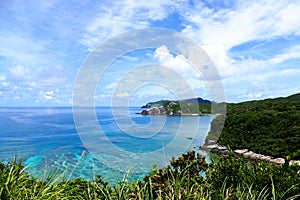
69,107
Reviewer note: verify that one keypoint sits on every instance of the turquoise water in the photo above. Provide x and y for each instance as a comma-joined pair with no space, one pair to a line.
47,139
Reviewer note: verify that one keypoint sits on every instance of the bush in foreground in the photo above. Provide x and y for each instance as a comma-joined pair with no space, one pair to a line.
187,177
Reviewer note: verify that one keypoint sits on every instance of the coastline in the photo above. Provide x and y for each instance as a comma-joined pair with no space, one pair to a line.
214,147
167,112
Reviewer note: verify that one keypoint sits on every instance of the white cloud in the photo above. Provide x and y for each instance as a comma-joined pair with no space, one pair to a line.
175,62
163,54
3,81
5,84
293,52
47,96
122,94
52,81
31,84
226,66
68,86
111,86
21,49
179,64
2,78
250,96
39,41
220,30
126,15
247,21
20,72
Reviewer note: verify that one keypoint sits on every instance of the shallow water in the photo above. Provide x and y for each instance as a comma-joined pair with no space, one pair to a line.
47,139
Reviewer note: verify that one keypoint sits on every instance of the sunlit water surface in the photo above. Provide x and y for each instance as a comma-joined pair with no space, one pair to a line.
47,139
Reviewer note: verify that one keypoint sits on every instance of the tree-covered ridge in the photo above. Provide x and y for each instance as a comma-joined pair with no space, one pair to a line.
291,98
198,100
270,127
192,106
188,108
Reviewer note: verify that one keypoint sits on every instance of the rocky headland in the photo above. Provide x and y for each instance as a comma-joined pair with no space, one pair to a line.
214,147
173,109
160,111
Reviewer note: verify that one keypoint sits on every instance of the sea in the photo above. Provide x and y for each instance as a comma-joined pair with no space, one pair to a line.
123,142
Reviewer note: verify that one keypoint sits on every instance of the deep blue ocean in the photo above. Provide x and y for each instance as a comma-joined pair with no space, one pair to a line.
46,139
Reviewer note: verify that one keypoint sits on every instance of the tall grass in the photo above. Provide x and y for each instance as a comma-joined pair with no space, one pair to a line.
181,180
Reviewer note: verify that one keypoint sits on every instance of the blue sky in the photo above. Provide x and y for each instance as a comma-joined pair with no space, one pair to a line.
255,45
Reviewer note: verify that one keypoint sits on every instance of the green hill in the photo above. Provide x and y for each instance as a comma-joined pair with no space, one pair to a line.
198,100
292,98
185,106
269,127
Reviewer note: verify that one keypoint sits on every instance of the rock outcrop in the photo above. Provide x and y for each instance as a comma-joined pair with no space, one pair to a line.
156,111
170,109
214,147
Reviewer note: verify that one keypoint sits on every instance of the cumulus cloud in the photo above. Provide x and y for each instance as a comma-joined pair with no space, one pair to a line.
39,85
48,95
3,81
43,46
220,30
180,65
175,62
218,54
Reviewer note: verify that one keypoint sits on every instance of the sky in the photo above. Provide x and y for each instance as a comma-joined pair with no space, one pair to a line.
254,45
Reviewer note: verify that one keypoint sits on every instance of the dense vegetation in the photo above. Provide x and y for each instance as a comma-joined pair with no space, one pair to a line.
269,127
198,100
185,106
227,178
188,108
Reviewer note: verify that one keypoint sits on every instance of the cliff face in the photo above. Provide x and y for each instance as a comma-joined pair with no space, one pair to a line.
161,111
198,100
173,109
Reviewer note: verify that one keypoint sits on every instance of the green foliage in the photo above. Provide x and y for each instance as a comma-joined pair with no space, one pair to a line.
270,128
157,103
292,98
258,176
227,178
15,183
216,128
178,178
180,107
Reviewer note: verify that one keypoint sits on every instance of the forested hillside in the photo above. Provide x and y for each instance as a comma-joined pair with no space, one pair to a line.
270,127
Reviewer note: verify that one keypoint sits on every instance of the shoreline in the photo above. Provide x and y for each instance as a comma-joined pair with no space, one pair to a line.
214,147
169,112
176,115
